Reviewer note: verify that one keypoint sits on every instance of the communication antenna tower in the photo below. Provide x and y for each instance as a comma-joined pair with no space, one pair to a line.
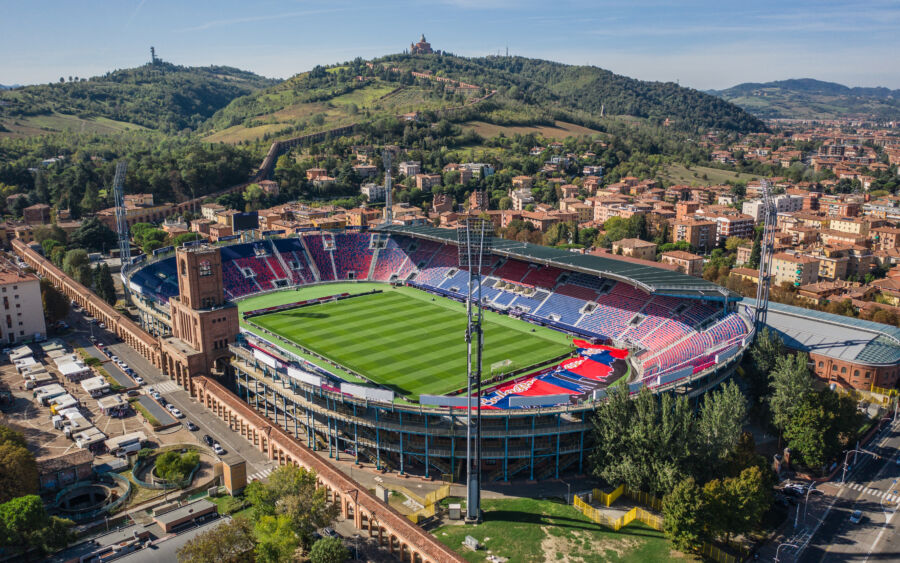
152,55
388,207
475,240
767,248
121,222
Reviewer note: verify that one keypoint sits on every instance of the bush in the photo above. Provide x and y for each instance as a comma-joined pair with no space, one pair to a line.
328,550
175,467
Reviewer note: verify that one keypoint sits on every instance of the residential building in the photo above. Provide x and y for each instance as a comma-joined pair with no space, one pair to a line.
427,181
22,313
635,248
522,182
210,210
850,225
442,203
365,170
520,198
409,169
794,269
687,262
479,201
37,214
313,173
373,192
783,203
885,237
700,234
269,186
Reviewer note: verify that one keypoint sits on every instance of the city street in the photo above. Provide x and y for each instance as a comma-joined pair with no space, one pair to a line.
257,464
826,534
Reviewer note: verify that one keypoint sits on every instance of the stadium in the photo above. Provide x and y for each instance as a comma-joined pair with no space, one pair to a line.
353,341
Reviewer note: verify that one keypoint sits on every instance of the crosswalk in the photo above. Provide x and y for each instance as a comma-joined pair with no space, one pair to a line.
889,496
260,475
166,386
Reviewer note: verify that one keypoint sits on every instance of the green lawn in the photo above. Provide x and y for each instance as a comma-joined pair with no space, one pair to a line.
703,175
402,338
529,530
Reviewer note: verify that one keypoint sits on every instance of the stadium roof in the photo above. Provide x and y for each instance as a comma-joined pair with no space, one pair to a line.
650,279
834,336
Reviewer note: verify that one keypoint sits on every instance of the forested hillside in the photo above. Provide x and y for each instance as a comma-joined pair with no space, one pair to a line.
589,89
161,96
806,98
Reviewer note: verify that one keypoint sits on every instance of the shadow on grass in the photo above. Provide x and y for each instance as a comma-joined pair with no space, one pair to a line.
519,517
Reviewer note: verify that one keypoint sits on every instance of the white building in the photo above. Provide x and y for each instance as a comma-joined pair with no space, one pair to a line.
521,198
409,169
374,192
22,313
784,203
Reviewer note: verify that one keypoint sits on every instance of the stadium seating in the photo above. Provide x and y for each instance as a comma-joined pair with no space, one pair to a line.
320,256
352,254
542,276
669,334
512,270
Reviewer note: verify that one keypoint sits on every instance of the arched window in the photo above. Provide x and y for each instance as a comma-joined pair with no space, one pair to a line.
856,373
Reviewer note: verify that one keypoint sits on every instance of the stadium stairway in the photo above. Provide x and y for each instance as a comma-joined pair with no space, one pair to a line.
317,277
281,261
371,274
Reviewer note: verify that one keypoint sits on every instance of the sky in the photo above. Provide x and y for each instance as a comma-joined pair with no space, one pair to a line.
701,44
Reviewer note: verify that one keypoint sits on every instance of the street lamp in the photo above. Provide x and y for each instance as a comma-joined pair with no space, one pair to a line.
847,458
356,543
806,501
568,492
795,546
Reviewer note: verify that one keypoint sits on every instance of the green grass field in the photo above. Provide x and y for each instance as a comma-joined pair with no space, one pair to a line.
529,530
401,338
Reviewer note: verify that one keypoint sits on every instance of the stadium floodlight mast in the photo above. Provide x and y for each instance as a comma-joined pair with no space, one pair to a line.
474,238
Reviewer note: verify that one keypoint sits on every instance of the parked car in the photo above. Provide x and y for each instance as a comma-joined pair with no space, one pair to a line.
98,344
114,358
133,393
175,412
856,517
139,380
101,325
156,396
208,440
330,533
192,427
218,449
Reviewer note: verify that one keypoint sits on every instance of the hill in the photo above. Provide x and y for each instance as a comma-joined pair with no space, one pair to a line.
807,98
160,96
509,91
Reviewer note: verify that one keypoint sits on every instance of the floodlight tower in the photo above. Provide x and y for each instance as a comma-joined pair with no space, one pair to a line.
767,249
121,221
474,238
388,208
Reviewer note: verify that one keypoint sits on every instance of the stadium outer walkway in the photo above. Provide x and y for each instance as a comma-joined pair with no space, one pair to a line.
403,538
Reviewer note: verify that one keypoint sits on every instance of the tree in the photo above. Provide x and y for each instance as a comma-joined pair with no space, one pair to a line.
57,255
174,466
328,550
56,305
93,236
153,239
253,195
766,349
18,468
74,260
48,245
791,383
103,284
231,541
820,426
647,441
25,524
276,539
719,425
45,232
683,511
185,237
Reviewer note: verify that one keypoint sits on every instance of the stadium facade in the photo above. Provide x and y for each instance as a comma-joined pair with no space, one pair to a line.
681,334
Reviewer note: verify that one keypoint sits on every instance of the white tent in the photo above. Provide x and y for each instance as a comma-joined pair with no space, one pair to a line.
72,370
19,353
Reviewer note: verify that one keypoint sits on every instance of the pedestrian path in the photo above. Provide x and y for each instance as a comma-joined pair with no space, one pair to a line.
166,386
889,496
260,475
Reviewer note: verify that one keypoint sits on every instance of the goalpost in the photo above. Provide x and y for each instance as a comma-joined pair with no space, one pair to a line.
501,367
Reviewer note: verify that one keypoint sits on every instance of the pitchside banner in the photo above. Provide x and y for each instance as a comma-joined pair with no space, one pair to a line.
444,401
265,358
304,376
540,401
368,393
722,356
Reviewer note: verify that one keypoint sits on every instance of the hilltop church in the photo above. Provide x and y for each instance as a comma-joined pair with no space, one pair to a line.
421,48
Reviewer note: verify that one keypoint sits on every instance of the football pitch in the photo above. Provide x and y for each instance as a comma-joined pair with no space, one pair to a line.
406,341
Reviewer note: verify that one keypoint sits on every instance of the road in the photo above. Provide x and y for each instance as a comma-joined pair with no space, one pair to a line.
257,463
827,534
